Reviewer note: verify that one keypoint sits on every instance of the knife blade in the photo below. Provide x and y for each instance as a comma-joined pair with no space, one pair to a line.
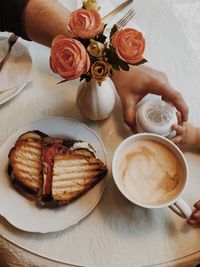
114,12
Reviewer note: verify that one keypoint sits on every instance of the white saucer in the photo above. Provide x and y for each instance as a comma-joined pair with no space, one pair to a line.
16,70
23,213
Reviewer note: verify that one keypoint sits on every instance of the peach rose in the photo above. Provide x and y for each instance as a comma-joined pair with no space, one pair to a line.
85,24
69,58
129,45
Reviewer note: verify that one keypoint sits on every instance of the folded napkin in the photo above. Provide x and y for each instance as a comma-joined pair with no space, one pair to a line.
18,66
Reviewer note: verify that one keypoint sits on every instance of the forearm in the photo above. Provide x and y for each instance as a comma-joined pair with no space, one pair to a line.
45,19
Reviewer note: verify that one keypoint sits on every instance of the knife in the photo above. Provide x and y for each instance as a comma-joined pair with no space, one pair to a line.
114,12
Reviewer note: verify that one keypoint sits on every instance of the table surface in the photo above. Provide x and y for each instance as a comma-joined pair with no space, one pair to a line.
116,233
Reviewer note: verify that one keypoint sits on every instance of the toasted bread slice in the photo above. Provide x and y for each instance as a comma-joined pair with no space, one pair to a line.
25,164
32,135
84,152
75,174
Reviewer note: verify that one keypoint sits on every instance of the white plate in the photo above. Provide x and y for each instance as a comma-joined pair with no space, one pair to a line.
16,70
4,97
23,213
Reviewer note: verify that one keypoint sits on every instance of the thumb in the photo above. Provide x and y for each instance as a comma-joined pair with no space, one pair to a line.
129,111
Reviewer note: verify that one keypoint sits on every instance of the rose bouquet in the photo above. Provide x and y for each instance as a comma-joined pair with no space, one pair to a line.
89,54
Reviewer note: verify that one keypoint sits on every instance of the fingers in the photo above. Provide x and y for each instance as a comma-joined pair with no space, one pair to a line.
179,131
179,117
197,205
170,95
192,221
195,217
178,128
176,139
178,101
129,111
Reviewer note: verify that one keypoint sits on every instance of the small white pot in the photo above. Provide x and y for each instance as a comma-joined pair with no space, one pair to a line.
94,101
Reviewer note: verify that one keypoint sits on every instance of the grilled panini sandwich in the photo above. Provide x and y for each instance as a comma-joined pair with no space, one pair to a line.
53,170
74,174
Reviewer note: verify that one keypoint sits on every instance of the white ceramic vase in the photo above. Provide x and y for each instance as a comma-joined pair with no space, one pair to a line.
94,101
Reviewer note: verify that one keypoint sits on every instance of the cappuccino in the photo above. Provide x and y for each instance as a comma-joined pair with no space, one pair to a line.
150,173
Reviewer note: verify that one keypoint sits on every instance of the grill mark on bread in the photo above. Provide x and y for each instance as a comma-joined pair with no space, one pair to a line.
32,143
73,189
25,172
33,151
29,163
75,164
22,150
93,175
76,169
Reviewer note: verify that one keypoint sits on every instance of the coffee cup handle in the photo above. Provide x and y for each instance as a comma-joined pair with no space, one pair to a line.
181,208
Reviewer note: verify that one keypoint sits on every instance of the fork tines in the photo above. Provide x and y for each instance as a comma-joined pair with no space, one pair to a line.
126,18
123,21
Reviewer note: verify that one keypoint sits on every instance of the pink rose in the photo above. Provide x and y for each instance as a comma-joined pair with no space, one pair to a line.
129,45
69,58
85,24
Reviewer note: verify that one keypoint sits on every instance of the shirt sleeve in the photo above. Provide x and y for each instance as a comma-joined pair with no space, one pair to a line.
12,17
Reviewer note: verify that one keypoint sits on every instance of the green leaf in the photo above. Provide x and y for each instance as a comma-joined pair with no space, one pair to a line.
104,26
83,76
140,62
123,65
116,67
85,42
113,31
111,56
62,81
86,76
100,38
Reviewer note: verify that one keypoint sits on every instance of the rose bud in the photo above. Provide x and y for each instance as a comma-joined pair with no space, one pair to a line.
95,49
100,71
90,4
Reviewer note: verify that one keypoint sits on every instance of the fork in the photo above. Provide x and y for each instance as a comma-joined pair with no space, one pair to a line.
123,21
11,41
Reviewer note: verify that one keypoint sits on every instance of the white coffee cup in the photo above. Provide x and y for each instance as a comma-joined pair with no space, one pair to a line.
152,172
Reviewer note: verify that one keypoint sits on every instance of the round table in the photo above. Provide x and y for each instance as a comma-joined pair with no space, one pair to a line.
116,233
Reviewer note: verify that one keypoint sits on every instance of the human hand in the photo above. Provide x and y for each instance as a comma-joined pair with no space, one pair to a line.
195,217
139,81
186,134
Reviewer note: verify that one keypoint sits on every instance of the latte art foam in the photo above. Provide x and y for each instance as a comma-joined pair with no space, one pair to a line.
150,173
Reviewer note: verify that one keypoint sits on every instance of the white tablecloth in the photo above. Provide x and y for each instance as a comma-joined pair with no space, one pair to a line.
115,233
